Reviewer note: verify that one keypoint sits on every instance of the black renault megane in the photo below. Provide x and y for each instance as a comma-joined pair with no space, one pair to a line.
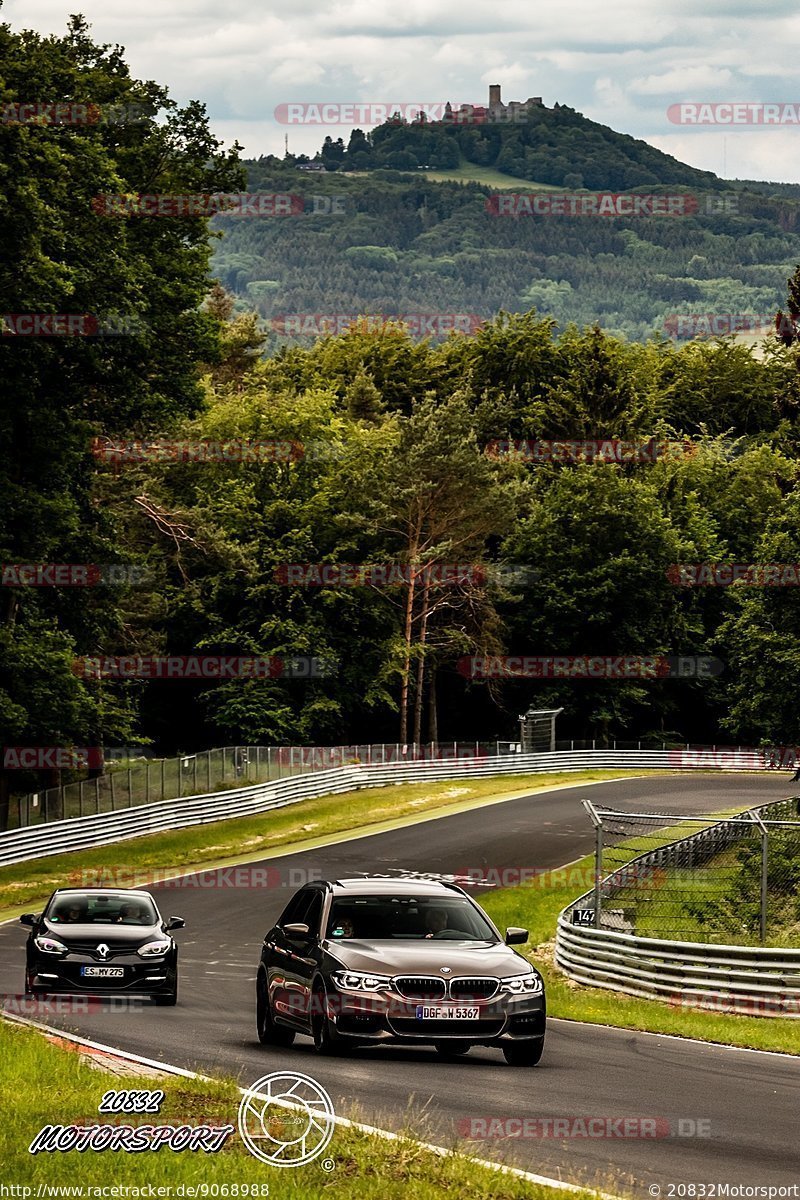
95,940
370,960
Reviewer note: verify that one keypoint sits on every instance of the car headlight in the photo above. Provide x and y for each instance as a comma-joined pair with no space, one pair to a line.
49,945
355,981
153,949
523,985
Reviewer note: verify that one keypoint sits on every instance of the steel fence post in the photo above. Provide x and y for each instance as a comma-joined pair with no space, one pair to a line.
597,821
598,871
756,818
764,890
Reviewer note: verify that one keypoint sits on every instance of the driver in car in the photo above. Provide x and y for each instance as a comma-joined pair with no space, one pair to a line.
129,914
343,929
436,921
71,913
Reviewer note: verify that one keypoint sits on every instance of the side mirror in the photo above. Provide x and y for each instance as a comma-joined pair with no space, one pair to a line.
516,936
175,923
297,930
28,919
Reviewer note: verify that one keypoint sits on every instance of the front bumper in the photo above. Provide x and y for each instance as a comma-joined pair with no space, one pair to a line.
49,973
385,1016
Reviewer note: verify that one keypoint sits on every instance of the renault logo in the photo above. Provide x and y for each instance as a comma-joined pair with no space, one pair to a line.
102,950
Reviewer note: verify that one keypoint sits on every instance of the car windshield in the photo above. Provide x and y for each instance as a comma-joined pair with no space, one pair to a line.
105,908
408,918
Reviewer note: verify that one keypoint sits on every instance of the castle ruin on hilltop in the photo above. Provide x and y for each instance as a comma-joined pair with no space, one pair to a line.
515,110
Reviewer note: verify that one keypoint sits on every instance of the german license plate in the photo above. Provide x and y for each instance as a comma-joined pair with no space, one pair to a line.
103,972
424,1013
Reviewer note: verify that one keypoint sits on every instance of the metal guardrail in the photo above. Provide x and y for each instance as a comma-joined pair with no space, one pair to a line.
80,833
148,781
139,782
748,980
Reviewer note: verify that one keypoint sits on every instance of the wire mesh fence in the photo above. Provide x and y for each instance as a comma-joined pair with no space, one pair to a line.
727,880
151,780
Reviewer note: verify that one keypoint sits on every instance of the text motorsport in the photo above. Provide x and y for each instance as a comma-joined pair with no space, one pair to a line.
590,666
132,1139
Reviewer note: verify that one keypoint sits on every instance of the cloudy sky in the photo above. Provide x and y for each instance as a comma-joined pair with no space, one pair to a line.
621,62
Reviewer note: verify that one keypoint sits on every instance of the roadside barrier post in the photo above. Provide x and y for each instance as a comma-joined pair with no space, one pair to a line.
598,859
764,869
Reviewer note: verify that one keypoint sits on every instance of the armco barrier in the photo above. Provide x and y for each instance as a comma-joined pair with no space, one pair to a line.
80,833
748,980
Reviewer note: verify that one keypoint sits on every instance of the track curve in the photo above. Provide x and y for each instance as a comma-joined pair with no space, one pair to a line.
748,1100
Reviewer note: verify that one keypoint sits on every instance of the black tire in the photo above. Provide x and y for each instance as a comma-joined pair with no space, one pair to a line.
452,1049
326,1039
168,999
269,1034
523,1054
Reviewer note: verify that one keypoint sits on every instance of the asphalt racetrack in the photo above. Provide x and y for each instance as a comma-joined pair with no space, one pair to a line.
747,1103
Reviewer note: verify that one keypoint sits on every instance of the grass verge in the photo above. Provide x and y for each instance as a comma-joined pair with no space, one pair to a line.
537,904
43,1084
248,839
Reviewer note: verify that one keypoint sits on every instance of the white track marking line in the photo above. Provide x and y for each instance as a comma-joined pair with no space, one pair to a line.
676,1037
441,1151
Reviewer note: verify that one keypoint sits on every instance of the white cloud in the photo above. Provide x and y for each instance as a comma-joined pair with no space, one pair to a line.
682,81
621,62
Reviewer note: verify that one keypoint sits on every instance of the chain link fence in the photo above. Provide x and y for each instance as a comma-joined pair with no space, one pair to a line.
734,880
151,780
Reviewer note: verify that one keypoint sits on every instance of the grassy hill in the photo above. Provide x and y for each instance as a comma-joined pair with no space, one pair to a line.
557,146
467,172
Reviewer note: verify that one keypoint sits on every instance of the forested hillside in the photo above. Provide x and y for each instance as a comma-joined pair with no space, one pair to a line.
393,244
557,146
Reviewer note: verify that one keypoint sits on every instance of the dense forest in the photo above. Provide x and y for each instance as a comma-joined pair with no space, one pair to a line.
397,245
393,459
